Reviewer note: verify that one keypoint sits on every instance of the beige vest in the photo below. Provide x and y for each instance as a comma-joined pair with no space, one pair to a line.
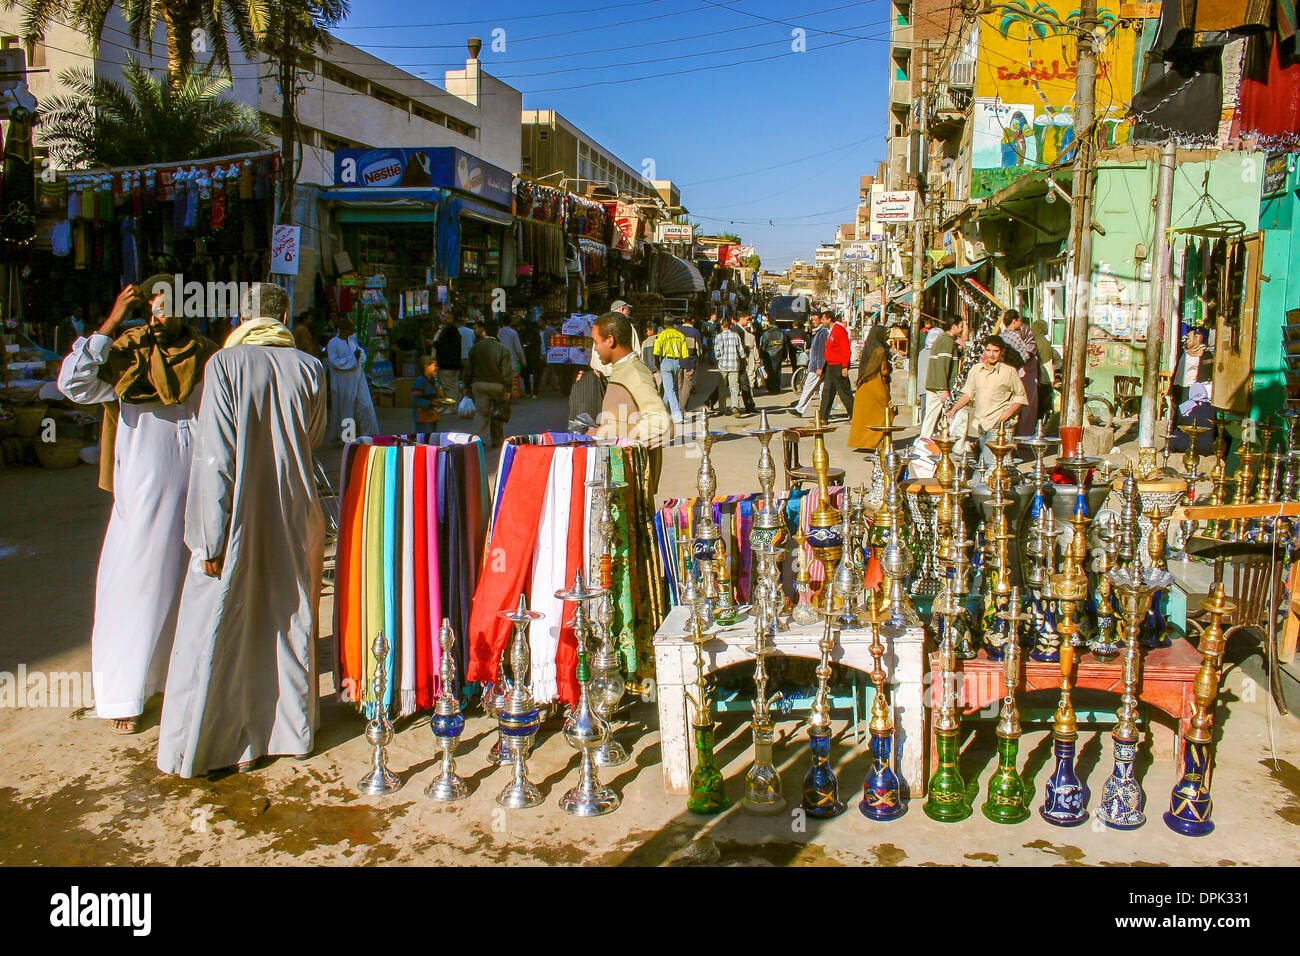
649,422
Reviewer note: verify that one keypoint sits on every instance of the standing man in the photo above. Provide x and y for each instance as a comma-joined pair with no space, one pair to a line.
694,350
446,348
749,371
632,407
772,344
530,337
669,351
150,381
467,335
243,681
510,339
941,378
731,363
487,377
994,390
816,363
349,390
835,375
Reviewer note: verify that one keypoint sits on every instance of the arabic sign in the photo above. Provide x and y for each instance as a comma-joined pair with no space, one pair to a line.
416,167
1024,59
284,250
896,206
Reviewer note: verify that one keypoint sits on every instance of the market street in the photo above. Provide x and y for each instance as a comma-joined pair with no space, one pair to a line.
73,794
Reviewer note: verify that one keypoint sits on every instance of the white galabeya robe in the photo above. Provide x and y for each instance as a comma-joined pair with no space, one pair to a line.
242,682
142,564
349,390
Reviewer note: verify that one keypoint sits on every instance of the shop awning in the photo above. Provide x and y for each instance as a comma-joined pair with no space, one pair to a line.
676,276
955,272
378,205
486,214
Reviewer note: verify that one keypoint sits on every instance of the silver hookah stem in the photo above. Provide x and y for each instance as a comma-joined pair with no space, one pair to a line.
447,724
379,731
584,729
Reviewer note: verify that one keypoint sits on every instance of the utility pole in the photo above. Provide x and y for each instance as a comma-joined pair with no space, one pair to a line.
288,64
1159,300
1076,351
919,120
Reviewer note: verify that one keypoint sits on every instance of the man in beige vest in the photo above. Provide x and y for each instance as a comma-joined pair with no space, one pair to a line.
632,407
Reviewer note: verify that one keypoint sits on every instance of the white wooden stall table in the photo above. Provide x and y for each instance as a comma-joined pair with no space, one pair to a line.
675,674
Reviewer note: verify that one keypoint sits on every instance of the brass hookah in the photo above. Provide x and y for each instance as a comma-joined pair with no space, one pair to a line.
946,791
763,782
1105,646
1189,803
998,540
1245,478
1043,545
1066,796
769,528
820,787
1007,800
885,447
1192,457
881,792
1218,477
804,612
584,729
823,525
607,685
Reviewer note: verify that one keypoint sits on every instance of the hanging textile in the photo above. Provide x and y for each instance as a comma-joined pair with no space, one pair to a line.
541,536
1270,93
411,524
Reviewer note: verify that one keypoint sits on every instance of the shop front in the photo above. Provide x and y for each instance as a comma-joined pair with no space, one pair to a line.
418,229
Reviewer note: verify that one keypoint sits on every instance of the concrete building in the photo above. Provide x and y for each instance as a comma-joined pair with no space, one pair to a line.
557,151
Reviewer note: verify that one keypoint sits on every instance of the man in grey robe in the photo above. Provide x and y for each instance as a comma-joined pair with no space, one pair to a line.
242,683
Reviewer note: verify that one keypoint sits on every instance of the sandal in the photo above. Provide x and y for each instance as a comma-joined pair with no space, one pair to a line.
124,725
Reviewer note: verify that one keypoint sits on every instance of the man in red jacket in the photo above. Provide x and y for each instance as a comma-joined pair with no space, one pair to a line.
834,377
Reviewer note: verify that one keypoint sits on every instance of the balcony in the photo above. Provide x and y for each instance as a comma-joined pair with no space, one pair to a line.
950,107
900,96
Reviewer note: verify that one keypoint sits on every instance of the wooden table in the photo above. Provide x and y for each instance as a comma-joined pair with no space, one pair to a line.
675,673
1166,684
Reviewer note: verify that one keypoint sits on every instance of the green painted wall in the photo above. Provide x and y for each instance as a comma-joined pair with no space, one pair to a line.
1124,209
1281,264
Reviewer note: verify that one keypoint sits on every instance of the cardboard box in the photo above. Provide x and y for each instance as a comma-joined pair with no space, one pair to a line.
402,391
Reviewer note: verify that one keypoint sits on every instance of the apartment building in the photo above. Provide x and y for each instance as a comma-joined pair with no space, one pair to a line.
555,150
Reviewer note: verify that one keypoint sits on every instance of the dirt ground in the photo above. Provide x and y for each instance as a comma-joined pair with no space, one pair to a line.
72,793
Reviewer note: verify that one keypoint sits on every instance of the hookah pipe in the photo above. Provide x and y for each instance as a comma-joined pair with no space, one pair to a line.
820,788
1007,801
1066,796
584,729
447,724
763,782
881,792
1189,803
707,793
520,718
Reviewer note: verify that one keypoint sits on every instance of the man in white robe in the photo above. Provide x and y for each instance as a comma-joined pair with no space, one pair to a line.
349,390
242,683
150,381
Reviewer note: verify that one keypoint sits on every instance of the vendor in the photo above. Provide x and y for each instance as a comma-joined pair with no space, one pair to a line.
1191,391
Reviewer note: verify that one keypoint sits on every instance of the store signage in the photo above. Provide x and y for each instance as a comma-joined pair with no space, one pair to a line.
897,206
675,232
1275,170
423,167
284,250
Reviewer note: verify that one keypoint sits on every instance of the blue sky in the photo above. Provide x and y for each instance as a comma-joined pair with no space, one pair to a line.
781,136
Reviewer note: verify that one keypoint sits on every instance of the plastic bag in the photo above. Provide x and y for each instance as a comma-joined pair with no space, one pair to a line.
466,407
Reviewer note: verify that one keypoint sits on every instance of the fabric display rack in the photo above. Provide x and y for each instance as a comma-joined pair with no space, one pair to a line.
412,522
540,537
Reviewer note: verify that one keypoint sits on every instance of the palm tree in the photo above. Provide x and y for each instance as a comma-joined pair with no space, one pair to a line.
217,19
147,119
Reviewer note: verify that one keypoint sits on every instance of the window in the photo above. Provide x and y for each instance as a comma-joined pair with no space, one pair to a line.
387,96
336,75
456,126
337,142
433,116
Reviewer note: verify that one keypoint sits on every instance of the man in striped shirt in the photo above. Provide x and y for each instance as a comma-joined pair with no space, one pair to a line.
730,355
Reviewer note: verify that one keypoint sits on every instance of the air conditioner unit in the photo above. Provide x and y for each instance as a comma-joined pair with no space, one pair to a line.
962,74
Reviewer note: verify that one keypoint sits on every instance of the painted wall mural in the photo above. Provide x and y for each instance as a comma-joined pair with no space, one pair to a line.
1024,110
